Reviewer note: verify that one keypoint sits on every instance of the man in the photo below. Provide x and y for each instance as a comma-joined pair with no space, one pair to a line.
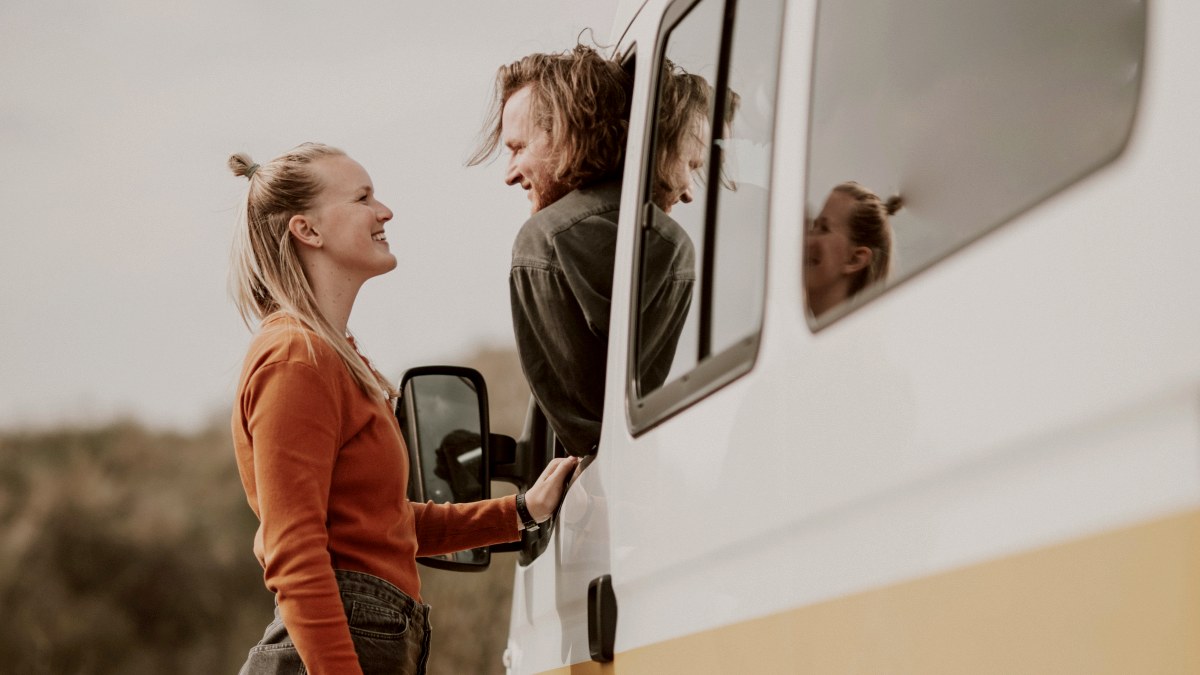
681,134
564,119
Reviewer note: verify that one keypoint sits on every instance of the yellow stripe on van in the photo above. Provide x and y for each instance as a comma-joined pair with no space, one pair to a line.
1123,602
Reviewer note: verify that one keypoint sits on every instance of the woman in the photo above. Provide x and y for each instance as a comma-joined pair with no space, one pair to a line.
319,451
848,246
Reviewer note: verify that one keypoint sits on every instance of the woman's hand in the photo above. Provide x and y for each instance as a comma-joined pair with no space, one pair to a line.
542,498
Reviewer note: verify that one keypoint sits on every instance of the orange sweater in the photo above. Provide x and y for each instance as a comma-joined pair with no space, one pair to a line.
326,471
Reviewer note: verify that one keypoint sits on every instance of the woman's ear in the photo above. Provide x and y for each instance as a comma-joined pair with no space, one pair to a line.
303,231
860,259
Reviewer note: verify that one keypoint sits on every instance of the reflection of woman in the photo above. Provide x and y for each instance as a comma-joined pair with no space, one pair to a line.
848,246
319,450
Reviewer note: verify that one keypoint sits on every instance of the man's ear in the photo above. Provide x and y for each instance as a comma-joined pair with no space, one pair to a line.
303,231
859,259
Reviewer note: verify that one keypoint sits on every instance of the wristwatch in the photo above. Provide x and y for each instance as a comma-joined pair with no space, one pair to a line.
531,525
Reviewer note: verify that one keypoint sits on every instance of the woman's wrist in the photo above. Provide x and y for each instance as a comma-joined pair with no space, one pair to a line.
525,519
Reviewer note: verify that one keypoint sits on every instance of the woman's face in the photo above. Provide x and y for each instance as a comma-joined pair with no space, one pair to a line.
831,259
350,219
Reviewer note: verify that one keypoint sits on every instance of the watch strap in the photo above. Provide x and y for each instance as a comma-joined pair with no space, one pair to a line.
523,512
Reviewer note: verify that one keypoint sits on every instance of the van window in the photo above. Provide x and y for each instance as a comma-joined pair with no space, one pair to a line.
701,249
970,111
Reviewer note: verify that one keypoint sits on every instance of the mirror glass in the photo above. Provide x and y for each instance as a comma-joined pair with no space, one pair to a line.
441,419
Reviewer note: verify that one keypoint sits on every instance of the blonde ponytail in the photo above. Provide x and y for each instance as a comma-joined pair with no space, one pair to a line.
266,275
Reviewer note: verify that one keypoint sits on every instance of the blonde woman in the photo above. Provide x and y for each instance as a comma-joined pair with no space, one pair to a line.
848,246
319,451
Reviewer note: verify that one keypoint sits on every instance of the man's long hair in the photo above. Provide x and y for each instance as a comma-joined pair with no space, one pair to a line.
579,98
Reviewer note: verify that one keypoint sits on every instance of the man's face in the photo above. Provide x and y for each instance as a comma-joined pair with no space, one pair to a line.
530,163
678,183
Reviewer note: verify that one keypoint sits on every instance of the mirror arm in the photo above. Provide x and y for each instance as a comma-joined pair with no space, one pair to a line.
513,547
503,449
507,464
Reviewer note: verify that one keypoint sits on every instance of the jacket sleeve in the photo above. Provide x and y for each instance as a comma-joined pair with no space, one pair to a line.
667,283
560,317
446,528
292,417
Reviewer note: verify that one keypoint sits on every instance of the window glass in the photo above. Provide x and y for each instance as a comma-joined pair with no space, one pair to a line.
969,111
703,238
740,237
673,229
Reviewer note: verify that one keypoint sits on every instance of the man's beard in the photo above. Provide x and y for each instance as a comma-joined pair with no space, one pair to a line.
550,194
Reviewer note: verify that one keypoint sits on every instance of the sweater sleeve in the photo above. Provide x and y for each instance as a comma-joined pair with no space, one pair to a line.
293,420
446,528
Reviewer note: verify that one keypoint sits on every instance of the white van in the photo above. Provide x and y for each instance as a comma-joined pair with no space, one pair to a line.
989,463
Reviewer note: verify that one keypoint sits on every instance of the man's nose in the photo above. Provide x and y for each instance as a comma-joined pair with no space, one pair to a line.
512,176
689,185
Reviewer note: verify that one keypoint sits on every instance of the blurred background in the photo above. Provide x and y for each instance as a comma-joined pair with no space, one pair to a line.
125,538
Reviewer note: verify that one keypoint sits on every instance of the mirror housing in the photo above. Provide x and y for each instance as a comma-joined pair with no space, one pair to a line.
443,415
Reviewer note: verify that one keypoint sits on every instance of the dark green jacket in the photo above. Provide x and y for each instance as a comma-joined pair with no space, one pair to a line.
561,291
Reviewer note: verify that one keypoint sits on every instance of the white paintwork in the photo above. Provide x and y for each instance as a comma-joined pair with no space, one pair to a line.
1040,385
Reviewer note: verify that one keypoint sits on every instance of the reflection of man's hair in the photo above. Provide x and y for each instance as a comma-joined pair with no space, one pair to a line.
464,485
581,99
684,101
455,443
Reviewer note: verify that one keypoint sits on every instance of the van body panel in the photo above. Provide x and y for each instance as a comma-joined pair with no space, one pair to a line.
952,622
998,458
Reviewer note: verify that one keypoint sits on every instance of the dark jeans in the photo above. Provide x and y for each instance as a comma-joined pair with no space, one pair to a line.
390,632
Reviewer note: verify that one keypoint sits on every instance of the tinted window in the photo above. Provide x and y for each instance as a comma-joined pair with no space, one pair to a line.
702,244
970,110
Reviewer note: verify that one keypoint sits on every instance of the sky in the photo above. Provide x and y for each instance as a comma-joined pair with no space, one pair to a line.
115,125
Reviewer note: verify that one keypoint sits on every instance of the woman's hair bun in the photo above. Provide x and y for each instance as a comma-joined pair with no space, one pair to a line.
893,204
241,165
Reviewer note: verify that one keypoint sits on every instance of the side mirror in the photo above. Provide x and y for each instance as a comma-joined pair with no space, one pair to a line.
443,414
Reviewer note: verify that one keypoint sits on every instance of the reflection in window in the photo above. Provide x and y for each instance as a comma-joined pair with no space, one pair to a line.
973,110
673,236
706,214
739,238
848,246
